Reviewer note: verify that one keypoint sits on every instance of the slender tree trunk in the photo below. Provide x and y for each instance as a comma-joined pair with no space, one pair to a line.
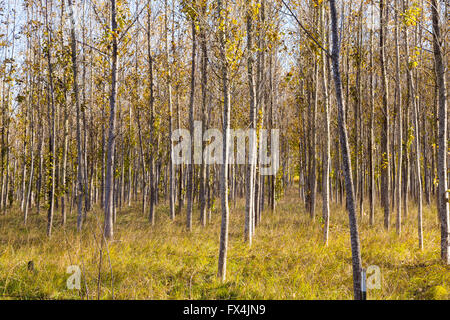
51,127
204,119
80,193
327,155
169,88
30,182
414,101
152,182
222,266
312,154
443,200
190,184
354,237
372,120
400,127
109,187
250,168
385,159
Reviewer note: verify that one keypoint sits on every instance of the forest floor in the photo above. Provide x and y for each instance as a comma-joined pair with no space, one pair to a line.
286,261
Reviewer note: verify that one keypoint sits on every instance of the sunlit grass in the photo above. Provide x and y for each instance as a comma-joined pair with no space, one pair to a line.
286,261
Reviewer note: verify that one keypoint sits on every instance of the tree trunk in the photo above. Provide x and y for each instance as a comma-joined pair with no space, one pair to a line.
354,237
169,89
327,155
190,184
226,140
250,192
79,195
400,127
443,201
51,127
109,187
372,120
385,160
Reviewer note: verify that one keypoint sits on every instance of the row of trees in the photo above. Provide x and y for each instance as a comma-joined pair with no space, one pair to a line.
92,90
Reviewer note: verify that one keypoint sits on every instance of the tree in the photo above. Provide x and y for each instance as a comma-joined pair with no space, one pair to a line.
327,155
400,124
108,231
190,183
443,201
350,199
169,92
385,161
371,129
223,247
250,191
51,126
77,107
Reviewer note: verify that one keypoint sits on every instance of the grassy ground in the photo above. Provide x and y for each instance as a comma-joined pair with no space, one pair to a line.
287,260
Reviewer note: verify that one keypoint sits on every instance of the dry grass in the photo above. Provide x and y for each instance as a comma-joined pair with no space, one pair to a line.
287,260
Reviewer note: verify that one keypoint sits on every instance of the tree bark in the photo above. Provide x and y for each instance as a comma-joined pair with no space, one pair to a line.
226,140
443,201
190,183
385,159
109,186
350,199
327,155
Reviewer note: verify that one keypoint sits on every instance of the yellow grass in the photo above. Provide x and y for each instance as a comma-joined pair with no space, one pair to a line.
287,260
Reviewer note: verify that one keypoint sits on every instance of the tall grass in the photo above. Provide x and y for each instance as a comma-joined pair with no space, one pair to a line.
287,260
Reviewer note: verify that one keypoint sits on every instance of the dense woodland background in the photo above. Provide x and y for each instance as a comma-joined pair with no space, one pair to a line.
91,91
